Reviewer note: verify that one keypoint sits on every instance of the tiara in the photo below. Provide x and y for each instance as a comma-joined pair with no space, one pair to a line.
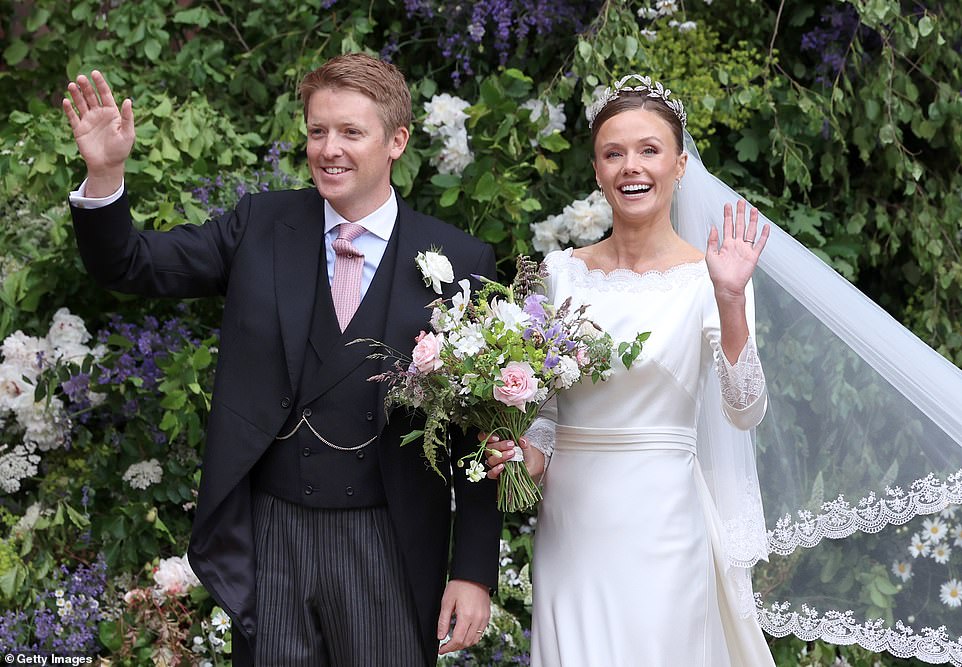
644,85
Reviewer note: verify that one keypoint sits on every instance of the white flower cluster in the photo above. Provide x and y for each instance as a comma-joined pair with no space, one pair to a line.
555,113
933,541
22,359
16,465
445,121
144,474
216,629
581,222
665,8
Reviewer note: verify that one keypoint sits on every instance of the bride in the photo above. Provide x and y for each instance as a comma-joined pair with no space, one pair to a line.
635,561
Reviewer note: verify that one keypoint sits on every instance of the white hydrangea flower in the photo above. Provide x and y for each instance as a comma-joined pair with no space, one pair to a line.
15,393
444,111
902,569
581,222
550,234
455,155
467,341
16,464
445,121
687,26
68,335
144,474
650,35
26,354
174,576
555,115
45,423
951,593
666,7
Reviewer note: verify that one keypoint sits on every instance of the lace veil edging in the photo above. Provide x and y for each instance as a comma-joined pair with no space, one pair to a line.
863,435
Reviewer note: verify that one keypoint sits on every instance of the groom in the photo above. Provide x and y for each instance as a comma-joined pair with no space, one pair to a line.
324,539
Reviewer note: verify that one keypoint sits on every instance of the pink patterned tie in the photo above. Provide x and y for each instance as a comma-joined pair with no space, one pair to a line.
348,267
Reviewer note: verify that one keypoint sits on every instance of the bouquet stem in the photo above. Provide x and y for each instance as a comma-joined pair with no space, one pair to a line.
517,491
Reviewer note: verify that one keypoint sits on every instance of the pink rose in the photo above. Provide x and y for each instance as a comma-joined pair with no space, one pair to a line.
520,384
427,352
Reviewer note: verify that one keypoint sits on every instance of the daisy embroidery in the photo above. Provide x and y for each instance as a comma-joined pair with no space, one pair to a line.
919,546
934,530
951,593
902,569
941,553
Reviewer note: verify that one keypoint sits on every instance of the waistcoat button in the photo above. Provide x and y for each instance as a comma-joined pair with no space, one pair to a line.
285,402
306,451
308,490
349,490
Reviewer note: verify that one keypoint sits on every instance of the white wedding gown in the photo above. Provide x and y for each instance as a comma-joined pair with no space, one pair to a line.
628,569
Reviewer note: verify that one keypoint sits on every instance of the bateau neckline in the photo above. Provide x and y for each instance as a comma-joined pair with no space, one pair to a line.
570,254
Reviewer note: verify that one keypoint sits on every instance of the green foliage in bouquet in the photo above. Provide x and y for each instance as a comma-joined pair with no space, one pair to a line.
493,359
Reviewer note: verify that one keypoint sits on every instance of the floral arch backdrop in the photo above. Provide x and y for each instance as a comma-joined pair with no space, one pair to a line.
840,119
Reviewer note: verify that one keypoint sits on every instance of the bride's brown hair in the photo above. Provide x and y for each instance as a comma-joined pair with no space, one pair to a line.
628,100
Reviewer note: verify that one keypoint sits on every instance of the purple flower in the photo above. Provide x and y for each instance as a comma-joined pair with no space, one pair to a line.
534,306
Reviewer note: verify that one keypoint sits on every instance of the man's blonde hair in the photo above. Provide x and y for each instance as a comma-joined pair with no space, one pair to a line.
381,81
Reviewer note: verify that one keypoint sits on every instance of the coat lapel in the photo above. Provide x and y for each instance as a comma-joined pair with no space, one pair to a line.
407,312
298,249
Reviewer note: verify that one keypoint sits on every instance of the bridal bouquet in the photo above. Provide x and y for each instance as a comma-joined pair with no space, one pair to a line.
491,361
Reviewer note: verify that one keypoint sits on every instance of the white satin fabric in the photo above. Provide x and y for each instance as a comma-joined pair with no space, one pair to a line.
629,566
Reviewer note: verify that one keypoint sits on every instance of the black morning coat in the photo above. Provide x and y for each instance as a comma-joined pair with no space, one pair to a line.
264,257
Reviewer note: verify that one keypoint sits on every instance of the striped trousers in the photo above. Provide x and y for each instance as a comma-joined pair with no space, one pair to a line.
331,590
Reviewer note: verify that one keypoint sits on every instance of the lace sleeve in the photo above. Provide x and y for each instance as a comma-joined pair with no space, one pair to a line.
742,385
541,435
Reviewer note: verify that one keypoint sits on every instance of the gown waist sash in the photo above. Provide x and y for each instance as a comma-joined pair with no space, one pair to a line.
575,438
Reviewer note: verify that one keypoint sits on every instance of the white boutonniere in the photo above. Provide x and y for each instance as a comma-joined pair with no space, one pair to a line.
435,269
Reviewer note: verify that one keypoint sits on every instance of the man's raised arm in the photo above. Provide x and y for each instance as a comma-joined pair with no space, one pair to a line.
104,133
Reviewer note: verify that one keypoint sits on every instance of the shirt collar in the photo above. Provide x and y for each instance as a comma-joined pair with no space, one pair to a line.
379,222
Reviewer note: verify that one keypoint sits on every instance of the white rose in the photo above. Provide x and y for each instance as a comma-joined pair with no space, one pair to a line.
435,268
174,576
